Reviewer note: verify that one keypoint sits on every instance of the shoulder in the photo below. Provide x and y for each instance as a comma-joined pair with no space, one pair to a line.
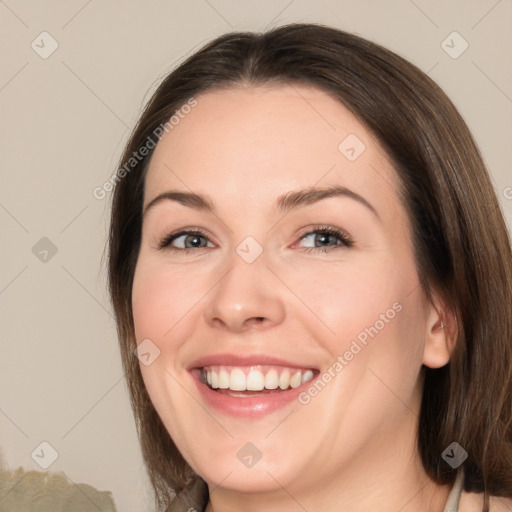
473,502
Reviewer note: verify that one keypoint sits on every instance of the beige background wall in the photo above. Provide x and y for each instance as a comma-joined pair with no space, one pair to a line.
64,119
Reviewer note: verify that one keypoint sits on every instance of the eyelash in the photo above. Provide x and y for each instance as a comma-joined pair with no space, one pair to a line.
346,242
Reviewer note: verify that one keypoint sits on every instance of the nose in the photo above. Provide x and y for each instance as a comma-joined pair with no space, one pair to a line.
246,297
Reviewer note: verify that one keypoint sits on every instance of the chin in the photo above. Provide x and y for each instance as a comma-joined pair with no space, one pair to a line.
262,478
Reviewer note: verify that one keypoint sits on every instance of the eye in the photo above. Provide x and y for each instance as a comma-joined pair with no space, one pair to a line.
185,240
320,238
325,239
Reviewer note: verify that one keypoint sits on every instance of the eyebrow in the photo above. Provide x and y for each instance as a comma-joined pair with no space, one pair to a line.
290,201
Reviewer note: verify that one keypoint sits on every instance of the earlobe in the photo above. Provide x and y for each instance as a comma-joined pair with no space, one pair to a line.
440,337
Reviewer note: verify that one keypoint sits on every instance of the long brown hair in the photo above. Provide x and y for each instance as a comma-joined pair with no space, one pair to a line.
461,244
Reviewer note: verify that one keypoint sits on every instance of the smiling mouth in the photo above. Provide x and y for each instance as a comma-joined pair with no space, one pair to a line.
254,380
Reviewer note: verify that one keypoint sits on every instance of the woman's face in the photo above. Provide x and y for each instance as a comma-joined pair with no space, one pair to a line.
297,273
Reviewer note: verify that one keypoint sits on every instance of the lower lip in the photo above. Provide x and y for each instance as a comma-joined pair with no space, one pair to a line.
252,406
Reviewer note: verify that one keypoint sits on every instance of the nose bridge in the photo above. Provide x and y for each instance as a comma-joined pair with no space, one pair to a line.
247,293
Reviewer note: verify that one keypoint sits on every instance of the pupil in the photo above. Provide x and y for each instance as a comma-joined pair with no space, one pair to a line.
194,241
323,239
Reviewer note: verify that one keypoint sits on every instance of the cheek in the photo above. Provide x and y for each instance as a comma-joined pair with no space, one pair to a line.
162,301
161,298
346,299
370,313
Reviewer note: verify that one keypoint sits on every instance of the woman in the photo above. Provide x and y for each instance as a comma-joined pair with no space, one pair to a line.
309,261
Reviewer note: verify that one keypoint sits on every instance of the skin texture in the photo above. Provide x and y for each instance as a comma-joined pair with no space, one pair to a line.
354,443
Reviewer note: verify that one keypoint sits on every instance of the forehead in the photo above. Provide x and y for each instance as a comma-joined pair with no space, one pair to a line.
249,143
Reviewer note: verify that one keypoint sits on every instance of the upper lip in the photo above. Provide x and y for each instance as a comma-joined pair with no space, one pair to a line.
247,360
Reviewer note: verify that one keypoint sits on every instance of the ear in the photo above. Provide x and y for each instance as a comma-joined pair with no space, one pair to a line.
440,335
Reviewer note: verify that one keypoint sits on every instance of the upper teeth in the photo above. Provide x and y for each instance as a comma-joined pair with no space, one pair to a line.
254,378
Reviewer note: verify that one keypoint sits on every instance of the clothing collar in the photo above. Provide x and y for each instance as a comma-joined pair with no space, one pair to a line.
452,504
